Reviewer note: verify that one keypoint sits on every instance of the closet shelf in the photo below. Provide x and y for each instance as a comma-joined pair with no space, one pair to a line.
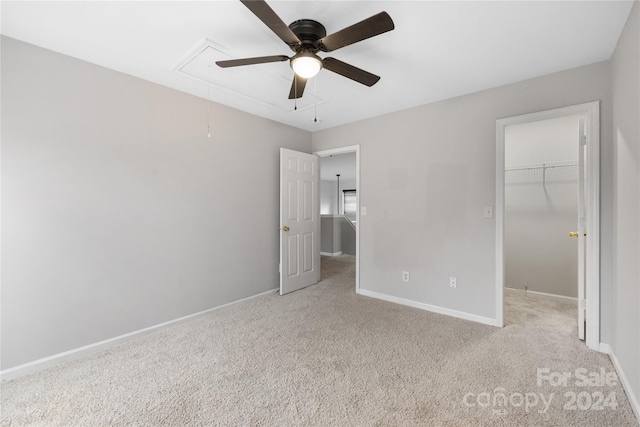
543,167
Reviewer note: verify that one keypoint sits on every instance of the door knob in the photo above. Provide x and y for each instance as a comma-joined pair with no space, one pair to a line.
285,228
574,234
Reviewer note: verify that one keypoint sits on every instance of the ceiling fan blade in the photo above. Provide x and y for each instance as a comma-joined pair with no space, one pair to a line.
350,72
251,61
297,87
262,10
370,27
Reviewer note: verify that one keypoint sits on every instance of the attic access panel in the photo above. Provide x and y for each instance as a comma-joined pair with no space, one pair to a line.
266,84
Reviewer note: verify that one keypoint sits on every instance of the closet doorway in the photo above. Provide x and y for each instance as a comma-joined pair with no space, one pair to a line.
547,213
339,206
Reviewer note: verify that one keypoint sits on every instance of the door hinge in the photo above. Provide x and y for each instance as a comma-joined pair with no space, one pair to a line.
279,268
583,140
583,304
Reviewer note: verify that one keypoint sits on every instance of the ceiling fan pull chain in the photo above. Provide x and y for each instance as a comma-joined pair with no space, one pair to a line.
315,102
208,123
295,92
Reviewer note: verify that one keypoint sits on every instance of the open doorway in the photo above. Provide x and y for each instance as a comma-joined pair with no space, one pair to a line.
540,209
540,184
339,211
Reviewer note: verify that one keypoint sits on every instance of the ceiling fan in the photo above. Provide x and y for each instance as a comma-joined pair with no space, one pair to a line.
306,38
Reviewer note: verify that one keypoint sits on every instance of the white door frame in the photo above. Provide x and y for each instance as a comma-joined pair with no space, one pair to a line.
344,150
592,112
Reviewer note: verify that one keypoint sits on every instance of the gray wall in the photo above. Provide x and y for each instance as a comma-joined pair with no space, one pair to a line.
626,224
426,174
337,235
347,237
538,251
329,234
118,212
328,200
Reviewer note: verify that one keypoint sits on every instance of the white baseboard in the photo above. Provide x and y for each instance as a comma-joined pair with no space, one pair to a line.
76,353
514,291
429,307
331,253
633,399
605,348
542,295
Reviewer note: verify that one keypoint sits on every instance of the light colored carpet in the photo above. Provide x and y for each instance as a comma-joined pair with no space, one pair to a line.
326,356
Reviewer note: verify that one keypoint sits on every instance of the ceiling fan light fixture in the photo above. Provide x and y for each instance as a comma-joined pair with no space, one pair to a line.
306,64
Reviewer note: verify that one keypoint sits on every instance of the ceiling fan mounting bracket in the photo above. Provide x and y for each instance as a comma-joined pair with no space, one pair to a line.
309,32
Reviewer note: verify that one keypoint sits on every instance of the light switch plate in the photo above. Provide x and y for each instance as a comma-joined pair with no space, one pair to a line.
488,211
363,211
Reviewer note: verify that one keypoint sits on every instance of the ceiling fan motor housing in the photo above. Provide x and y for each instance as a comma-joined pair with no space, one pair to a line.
309,32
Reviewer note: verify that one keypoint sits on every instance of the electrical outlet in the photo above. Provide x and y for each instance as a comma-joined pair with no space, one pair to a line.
453,283
405,276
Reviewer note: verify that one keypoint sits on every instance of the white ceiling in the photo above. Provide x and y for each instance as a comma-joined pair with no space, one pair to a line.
438,50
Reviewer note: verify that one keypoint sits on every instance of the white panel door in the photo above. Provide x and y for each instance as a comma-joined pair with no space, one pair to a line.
582,221
299,220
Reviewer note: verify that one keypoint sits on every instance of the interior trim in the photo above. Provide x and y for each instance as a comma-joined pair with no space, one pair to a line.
633,399
428,307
